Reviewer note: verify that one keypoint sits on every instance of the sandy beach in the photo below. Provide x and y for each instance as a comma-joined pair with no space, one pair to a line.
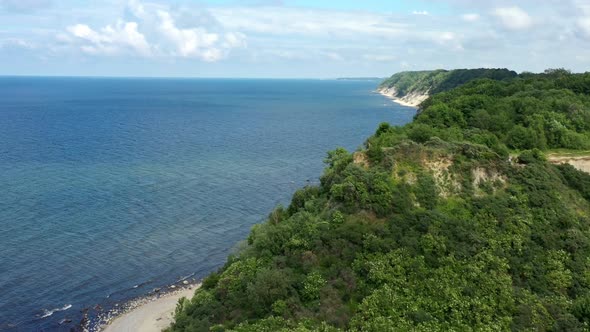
153,315
411,100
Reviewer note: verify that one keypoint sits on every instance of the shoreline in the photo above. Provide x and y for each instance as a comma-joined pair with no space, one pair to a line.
411,100
147,314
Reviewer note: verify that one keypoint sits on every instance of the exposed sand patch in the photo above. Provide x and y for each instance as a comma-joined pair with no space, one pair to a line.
445,180
412,100
360,158
580,162
482,176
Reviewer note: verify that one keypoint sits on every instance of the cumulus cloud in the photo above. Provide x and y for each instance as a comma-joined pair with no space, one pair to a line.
190,42
111,40
198,42
449,39
513,18
166,38
420,12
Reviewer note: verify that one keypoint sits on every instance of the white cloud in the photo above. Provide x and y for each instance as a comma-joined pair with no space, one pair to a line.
164,38
293,38
83,31
472,17
449,39
17,43
189,42
198,42
136,8
513,18
111,40
308,22
234,40
420,12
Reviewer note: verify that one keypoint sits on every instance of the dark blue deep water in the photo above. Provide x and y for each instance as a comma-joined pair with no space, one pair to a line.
106,184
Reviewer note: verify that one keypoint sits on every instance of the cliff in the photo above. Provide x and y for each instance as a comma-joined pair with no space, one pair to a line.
411,88
454,222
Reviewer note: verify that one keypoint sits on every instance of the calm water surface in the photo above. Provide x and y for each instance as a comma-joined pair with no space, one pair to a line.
110,188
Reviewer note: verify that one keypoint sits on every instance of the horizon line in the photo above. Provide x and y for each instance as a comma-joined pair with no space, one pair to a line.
191,77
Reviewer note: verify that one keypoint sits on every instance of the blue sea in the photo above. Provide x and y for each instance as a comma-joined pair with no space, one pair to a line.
110,188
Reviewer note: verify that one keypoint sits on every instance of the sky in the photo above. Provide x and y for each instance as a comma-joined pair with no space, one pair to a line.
289,38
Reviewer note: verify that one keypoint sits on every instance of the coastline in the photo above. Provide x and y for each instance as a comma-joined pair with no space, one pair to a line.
148,314
411,100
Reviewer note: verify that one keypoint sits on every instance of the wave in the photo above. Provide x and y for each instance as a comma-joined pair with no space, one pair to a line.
185,278
47,313
130,289
143,284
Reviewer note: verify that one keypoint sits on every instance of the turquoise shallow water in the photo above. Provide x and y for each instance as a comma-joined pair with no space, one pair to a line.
110,188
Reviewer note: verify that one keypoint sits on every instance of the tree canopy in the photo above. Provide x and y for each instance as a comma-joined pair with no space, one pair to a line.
454,222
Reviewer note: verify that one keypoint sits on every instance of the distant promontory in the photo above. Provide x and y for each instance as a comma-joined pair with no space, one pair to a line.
411,88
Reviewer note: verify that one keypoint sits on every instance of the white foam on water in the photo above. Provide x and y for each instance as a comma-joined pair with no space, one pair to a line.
47,313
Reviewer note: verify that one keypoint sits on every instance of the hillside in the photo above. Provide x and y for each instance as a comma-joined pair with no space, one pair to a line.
454,222
413,87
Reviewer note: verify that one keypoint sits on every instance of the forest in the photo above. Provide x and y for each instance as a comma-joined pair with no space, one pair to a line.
435,81
454,222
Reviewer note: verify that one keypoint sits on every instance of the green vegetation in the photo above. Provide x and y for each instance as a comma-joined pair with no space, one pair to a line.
545,111
455,222
435,81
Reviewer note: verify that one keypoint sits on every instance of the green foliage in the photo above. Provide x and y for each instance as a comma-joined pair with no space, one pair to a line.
441,298
312,285
426,191
441,231
521,138
577,180
536,111
494,108
300,197
421,133
437,81
531,156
